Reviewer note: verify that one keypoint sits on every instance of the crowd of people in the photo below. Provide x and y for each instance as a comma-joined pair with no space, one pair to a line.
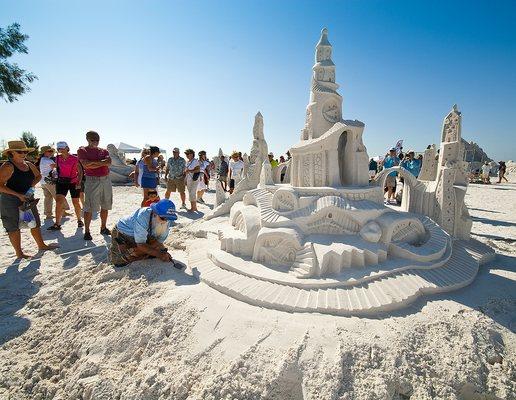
411,163
84,176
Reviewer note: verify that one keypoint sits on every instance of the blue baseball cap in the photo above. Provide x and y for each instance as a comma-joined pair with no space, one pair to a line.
165,209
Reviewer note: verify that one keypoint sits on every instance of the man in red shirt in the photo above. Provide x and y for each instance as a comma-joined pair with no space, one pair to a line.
98,191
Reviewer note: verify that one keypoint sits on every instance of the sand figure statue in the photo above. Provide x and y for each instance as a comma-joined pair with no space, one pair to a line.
119,171
266,174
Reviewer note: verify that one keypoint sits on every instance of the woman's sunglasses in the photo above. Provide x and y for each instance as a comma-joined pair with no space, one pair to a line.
21,152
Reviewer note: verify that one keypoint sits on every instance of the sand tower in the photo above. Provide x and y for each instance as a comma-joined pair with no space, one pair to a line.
326,242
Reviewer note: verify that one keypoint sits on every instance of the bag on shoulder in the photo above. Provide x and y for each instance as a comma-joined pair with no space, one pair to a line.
195,175
50,179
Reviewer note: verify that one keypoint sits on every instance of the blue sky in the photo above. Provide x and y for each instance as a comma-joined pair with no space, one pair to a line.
194,73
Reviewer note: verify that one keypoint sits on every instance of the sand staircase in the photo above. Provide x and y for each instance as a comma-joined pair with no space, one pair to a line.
305,263
263,200
384,293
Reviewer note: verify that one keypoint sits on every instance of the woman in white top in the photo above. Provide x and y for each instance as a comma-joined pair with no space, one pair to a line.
192,176
236,166
204,178
486,169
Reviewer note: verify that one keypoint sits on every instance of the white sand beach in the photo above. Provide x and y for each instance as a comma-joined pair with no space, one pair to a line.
74,327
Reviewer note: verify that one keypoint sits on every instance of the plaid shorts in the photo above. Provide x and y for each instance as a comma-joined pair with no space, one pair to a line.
122,250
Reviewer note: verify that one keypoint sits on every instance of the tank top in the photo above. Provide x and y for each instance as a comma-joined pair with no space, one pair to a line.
149,174
20,181
68,168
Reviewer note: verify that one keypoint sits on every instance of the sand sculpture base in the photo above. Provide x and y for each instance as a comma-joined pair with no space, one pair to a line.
375,291
339,252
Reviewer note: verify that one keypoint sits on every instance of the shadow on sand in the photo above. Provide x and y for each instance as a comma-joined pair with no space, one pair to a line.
156,271
191,215
492,222
490,293
16,288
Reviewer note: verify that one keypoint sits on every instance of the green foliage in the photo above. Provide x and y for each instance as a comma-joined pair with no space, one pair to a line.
14,81
30,141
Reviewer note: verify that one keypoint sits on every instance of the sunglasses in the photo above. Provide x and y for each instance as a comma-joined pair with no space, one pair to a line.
21,152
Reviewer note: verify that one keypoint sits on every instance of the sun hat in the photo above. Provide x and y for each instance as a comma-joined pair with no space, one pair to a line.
61,145
165,208
176,150
189,151
271,154
411,151
393,149
44,149
17,145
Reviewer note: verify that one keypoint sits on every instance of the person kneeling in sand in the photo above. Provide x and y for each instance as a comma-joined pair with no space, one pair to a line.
141,235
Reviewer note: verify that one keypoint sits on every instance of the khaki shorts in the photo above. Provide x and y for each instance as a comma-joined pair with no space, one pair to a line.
10,213
390,182
176,184
192,189
98,193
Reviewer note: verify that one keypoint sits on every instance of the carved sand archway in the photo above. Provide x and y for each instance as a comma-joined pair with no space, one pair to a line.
341,150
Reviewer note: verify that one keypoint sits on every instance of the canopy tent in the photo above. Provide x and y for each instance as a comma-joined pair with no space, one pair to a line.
127,148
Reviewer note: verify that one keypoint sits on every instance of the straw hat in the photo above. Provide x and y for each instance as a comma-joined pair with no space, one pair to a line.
44,149
17,145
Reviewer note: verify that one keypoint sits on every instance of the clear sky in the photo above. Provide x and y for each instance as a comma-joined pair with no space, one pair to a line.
194,73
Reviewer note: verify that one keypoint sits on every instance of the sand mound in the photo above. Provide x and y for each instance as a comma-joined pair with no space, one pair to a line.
150,331
511,170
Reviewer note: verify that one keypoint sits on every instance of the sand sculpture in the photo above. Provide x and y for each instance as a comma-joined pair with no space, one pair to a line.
252,170
119,171
326,242
440,189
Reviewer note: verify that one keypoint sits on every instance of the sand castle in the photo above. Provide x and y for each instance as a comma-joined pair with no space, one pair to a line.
325,242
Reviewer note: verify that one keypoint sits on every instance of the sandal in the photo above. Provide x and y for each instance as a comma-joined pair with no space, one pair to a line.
54,227
80,224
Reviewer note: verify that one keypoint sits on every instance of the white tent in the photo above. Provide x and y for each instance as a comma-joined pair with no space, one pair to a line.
127,148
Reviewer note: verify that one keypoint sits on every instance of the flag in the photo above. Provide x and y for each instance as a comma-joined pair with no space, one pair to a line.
399,145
